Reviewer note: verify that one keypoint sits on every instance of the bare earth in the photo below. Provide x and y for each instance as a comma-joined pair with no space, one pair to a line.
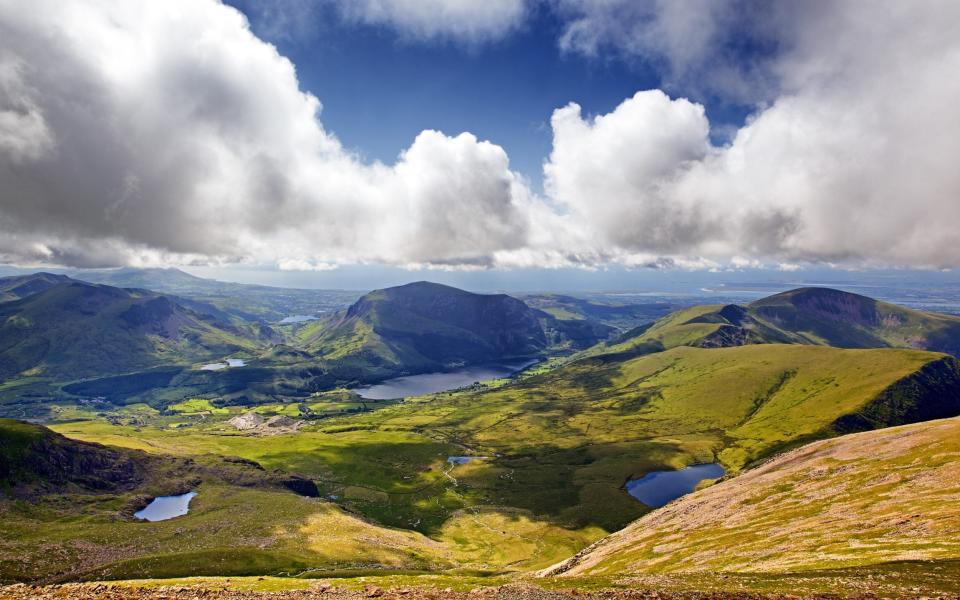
90,591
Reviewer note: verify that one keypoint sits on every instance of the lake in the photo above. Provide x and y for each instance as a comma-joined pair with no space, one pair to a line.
430,383
660,487
230,362
297,319
166,507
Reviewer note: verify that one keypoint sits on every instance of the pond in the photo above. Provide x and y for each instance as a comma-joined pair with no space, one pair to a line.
430,383
166,507
230,362
660,487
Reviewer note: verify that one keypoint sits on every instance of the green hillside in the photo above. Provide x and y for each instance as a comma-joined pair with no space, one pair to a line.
426,326
75,329
882,497
819,316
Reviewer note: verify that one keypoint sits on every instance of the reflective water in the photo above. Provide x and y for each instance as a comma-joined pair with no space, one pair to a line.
660,487
230,362
297,319
166,507
430,383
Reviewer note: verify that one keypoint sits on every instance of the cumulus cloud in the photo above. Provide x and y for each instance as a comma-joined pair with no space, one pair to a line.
854,159
171,127
157,133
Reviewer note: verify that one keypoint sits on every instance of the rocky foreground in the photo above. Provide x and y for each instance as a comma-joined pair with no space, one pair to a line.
85,591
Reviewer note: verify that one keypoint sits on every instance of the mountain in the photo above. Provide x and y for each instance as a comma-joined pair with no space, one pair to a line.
427,326
874,498
812,315
21,286
75,329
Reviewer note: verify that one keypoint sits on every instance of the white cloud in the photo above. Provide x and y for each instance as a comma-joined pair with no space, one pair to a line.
170,128
151,133
854,161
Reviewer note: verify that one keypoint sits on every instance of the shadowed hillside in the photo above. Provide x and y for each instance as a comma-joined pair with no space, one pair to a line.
426,326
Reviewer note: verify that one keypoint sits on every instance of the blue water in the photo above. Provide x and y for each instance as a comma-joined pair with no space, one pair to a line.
431,383
166,507
660,487
297,319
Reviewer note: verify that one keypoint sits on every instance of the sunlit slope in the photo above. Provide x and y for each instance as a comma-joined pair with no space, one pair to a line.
862,499
745,400
817,316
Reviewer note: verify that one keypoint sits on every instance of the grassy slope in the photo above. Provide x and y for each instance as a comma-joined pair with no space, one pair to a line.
817,316
864,499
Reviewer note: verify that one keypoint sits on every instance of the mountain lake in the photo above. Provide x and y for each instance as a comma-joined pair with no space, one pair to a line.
431,383
660,487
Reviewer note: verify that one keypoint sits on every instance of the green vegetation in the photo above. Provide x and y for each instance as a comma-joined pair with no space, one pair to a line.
424,326
74,329
818,316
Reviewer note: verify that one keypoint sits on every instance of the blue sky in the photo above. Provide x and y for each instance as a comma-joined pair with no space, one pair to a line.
504,140
380,88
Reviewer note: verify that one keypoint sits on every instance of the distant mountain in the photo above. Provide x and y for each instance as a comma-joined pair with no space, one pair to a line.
879,498
75,329
812,315
21,286
150,278
422,326
608,311
247,301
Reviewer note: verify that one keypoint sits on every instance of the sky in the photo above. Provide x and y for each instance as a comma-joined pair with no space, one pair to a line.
506,140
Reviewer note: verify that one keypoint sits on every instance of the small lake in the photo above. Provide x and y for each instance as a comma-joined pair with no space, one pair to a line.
230,362
166,507
660,487
431,383
297,319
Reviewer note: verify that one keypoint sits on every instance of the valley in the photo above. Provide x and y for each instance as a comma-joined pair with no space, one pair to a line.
304,440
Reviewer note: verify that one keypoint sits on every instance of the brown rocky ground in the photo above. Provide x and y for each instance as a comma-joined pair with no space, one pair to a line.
90,591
